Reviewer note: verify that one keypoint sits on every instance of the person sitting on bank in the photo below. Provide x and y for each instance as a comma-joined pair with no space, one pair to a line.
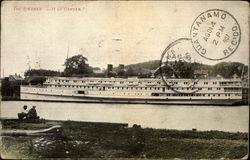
24,113
32,114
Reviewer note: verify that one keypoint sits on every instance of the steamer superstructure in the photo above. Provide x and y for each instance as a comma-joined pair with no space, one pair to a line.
217,91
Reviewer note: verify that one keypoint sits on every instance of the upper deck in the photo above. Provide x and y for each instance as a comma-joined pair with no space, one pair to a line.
142,82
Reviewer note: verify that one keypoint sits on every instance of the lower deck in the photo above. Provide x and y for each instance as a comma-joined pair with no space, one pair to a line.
126,100
133,94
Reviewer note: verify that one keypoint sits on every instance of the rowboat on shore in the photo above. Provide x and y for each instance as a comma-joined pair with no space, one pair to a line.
54,130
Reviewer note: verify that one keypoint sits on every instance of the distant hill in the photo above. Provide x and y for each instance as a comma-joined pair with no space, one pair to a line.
143,69
228,69
186,70
149,65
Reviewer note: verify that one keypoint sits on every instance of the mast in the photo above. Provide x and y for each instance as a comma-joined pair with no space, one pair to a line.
68,52
28,63
242,72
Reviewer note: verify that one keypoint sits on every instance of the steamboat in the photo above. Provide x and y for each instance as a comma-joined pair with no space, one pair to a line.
206,91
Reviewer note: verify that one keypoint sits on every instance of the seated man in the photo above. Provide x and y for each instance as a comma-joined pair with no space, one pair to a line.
32,113
24,113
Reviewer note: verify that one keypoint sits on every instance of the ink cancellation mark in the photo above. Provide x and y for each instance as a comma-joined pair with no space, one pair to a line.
215,34
174,60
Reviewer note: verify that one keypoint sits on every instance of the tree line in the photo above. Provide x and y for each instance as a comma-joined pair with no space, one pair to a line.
78,66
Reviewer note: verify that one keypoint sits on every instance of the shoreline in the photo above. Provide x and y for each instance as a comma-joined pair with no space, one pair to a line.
113,140
133,102
127,125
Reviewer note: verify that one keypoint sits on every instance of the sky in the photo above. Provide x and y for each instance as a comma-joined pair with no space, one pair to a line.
105,32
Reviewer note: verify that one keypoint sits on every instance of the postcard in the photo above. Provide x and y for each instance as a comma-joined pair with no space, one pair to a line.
124,79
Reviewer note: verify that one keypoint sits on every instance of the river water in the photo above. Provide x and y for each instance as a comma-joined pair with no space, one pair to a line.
181,117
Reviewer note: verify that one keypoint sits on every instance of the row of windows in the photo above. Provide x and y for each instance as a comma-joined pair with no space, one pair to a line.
229,83
212,88
236,89
191,82
149,88
121,82
97,87
188,94
232,89
145,88
172,94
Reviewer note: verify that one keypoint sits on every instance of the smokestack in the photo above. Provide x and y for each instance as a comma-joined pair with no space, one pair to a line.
109,70
121,67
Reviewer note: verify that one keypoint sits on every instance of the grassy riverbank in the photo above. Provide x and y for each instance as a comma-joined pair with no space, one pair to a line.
105,140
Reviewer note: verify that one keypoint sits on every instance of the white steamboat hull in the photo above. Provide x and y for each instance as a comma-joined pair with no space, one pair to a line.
133,100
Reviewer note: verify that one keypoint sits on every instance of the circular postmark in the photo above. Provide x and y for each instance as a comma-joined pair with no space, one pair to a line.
177,66
215,34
